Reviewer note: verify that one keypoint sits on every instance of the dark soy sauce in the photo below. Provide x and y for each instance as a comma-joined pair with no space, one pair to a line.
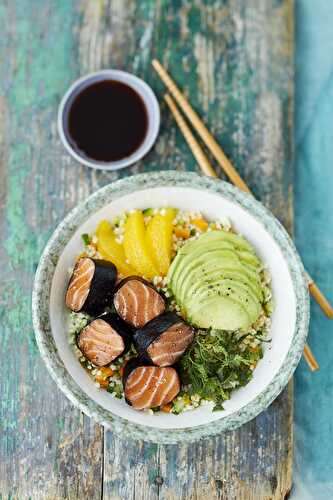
106,121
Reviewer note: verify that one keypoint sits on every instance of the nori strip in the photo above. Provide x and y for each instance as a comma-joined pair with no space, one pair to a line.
144,336
121,327
102,288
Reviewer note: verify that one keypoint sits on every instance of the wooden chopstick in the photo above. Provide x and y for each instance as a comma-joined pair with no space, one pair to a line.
310,359
223,161
207,168
319,297
200,127
196,149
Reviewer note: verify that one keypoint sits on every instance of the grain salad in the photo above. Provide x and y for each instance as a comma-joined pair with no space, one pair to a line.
209,277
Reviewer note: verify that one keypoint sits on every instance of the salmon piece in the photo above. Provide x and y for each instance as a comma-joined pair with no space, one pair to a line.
163,340
91,286
137,302
151,386
79,285
171,344
100,343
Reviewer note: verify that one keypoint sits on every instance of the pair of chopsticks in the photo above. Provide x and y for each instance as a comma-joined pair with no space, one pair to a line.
225,165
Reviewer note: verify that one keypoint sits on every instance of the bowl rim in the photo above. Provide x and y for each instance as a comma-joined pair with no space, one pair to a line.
42,288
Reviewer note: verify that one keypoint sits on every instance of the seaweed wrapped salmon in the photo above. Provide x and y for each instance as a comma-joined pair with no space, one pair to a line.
149,386
104,339
137,302
91,286
164,339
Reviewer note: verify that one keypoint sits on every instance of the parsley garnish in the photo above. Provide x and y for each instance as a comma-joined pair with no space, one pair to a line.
215,365
85,238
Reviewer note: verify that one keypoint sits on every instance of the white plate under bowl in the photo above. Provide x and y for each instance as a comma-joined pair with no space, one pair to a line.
215,199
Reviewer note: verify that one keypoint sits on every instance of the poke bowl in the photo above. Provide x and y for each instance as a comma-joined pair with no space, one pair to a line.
197,289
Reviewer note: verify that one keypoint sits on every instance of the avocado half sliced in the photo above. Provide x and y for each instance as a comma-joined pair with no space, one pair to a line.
215,280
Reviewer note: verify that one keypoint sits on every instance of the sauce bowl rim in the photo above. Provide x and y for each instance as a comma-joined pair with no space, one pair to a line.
151,104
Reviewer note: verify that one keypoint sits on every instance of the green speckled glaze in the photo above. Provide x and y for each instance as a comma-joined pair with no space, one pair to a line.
41,296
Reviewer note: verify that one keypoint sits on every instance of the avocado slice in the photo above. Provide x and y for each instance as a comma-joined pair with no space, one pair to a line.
249,258
201,268
237,241
184,257
216,276
236,291
213,240
220,313
244,250
198,268
233,274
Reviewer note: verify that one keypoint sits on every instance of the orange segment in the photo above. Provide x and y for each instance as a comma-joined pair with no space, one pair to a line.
135,245
110,250
159,239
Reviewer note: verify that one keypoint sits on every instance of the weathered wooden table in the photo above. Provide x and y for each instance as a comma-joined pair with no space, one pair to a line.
234,59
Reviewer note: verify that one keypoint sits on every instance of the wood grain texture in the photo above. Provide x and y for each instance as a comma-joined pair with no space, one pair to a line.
233,59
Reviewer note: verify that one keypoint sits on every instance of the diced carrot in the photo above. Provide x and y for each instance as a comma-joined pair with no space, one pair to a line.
102,381
122,368
200,223
181,232
107,372
166,408
81,255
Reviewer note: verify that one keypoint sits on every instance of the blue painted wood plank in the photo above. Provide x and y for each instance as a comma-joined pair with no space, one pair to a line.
314,239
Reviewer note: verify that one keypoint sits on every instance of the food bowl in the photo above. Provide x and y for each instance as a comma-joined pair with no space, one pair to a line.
215,199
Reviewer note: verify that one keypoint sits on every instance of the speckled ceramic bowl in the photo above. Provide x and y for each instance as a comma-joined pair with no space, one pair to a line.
215,199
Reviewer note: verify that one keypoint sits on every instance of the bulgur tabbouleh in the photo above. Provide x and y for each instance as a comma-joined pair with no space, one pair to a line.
210,277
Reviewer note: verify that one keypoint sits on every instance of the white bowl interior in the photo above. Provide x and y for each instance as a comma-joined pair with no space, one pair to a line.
214,207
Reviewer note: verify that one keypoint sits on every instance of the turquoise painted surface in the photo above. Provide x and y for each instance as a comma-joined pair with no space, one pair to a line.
314,237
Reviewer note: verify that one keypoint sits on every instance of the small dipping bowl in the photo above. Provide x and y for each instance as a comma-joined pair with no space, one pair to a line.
140,88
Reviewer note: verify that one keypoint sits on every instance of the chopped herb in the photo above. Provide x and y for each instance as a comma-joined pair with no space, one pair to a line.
148,211
86,238
192,232
214,365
